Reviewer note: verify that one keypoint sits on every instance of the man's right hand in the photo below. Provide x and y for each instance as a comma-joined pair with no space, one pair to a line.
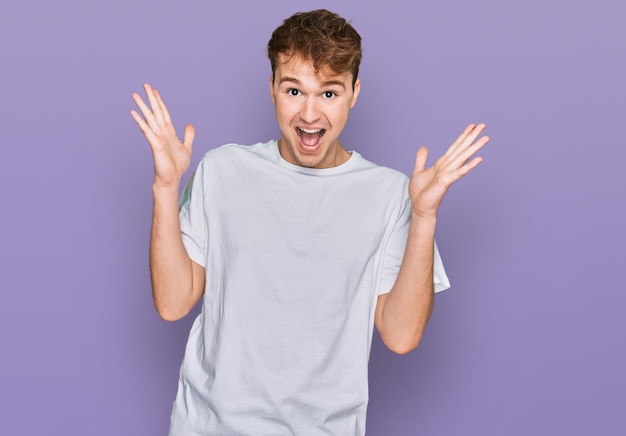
171,156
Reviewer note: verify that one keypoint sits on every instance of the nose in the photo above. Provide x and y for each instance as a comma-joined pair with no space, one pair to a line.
309,113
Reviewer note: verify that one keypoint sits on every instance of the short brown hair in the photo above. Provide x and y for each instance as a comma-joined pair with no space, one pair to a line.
324,37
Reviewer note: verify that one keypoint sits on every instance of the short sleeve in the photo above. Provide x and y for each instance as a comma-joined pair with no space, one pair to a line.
394,252
193,225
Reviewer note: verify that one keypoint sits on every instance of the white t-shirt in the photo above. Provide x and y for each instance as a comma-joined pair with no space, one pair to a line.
295,259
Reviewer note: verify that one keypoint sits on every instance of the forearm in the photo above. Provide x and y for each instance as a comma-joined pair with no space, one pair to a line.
409,304
170,265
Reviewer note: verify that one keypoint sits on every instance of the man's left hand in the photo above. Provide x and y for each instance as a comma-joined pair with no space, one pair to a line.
428,186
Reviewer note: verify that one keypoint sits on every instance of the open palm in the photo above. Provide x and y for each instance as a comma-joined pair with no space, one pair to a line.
171,156
428,186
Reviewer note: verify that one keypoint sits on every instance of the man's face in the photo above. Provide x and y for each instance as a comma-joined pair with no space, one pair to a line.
312,110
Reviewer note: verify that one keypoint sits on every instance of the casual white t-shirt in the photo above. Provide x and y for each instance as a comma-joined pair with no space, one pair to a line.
295,259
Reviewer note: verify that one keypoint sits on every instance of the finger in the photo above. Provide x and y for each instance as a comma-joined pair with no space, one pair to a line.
462,157
156,108
189,135
471,136
467,141
143,126
420,159
460,139
451,177
146,112
467,167
166,113
140,121
470,133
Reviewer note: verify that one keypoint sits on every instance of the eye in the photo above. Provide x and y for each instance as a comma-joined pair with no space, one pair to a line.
293,92
329,94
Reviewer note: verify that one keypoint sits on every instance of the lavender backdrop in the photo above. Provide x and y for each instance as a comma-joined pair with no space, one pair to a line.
530,340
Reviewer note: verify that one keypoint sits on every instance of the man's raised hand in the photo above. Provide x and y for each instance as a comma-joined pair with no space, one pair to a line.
171,156
429,185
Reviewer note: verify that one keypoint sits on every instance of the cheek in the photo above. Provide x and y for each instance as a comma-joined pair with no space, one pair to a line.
283,116
341,115
285,111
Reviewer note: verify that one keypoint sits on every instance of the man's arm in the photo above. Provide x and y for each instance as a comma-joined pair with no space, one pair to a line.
402,314
177,281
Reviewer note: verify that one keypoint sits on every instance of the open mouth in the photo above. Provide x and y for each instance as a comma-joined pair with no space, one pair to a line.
310,137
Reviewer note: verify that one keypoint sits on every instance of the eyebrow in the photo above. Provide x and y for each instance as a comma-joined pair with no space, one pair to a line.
334,82
326,83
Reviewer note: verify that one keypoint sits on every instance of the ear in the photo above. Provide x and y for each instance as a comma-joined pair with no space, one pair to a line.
355,93
272,96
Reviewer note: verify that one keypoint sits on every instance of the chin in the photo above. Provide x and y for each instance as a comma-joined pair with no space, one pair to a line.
309,161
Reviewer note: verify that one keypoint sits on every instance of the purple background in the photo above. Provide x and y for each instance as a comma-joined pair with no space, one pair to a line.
529,341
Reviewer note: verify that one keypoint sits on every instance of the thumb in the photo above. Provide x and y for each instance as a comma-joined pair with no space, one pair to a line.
420,158
189,135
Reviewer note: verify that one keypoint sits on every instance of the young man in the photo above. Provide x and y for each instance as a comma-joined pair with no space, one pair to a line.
298,246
